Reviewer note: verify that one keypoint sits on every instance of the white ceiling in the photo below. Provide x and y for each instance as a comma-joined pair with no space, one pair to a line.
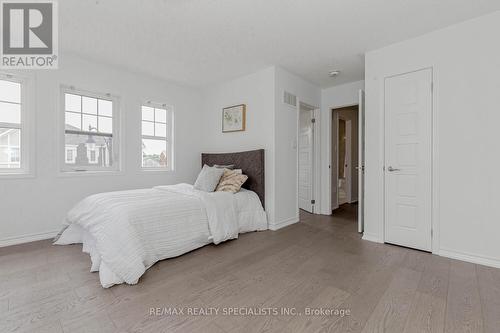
199,42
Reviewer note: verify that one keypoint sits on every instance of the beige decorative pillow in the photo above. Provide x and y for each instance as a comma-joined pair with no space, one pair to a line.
231,181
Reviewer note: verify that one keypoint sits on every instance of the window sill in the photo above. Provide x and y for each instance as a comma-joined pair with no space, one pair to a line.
16,175
90,173
155,171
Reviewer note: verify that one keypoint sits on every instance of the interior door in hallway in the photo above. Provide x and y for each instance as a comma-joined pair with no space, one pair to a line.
306,159
408,159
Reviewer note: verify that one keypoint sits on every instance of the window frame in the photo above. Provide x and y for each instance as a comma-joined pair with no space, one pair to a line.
67,170
26,148
169,138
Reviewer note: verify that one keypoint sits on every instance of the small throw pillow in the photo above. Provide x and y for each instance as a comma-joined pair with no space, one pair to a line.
208,178
229,173
231,181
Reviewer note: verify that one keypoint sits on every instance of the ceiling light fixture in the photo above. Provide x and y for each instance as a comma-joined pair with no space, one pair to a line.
333,73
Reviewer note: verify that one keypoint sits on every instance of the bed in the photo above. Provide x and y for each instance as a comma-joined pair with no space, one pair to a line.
126,232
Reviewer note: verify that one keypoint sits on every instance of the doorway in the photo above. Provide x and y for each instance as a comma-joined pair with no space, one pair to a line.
345,153
347,170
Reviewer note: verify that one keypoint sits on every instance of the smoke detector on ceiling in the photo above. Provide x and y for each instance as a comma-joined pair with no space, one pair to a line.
334,73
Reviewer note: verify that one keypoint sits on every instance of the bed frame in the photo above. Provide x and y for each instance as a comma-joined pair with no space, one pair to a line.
250,162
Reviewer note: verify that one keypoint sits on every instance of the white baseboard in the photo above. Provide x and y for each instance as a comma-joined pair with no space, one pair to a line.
283,223
27,238
473,258
453,254
371,238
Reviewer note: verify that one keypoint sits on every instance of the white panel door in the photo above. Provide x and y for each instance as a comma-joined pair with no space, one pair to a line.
361,161
408,158
306,127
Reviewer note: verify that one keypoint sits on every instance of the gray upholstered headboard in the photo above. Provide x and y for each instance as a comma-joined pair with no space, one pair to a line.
251,163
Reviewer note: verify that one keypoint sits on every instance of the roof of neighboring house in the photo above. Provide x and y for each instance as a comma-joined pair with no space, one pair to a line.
76,139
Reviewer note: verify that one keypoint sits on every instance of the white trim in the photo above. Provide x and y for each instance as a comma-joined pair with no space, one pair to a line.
91,173
469,257
283,223
372,238
435,210
27,238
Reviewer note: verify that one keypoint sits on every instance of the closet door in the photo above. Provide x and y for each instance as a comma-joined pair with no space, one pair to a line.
408,159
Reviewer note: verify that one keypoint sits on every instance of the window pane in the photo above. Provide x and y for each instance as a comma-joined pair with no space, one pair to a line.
105,125
154,153
148,128
161,115
89,105
161,130
89,123
148,113
105,108
73,103
4,138
70,155
83,145
10,113
10,91
73,121
10,142
92,155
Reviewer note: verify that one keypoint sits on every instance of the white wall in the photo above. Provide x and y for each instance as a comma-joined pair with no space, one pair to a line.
466,66
334,97
257,92
270,124
286,117
32,208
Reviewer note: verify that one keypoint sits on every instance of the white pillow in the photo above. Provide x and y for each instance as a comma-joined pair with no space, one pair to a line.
208,178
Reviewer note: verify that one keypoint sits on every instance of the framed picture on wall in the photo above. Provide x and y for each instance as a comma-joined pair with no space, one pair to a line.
234,118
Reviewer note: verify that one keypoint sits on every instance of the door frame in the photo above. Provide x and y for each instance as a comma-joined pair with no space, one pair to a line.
434,158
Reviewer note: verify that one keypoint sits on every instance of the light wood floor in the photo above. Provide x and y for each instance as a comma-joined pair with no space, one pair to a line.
320,262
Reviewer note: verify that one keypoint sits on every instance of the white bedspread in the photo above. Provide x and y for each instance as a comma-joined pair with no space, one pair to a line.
126,232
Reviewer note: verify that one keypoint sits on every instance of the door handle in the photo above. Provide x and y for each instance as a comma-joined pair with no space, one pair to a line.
391,169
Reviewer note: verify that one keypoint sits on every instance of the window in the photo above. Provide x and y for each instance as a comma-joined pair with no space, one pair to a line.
90,131
13,129
157,137
70,155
